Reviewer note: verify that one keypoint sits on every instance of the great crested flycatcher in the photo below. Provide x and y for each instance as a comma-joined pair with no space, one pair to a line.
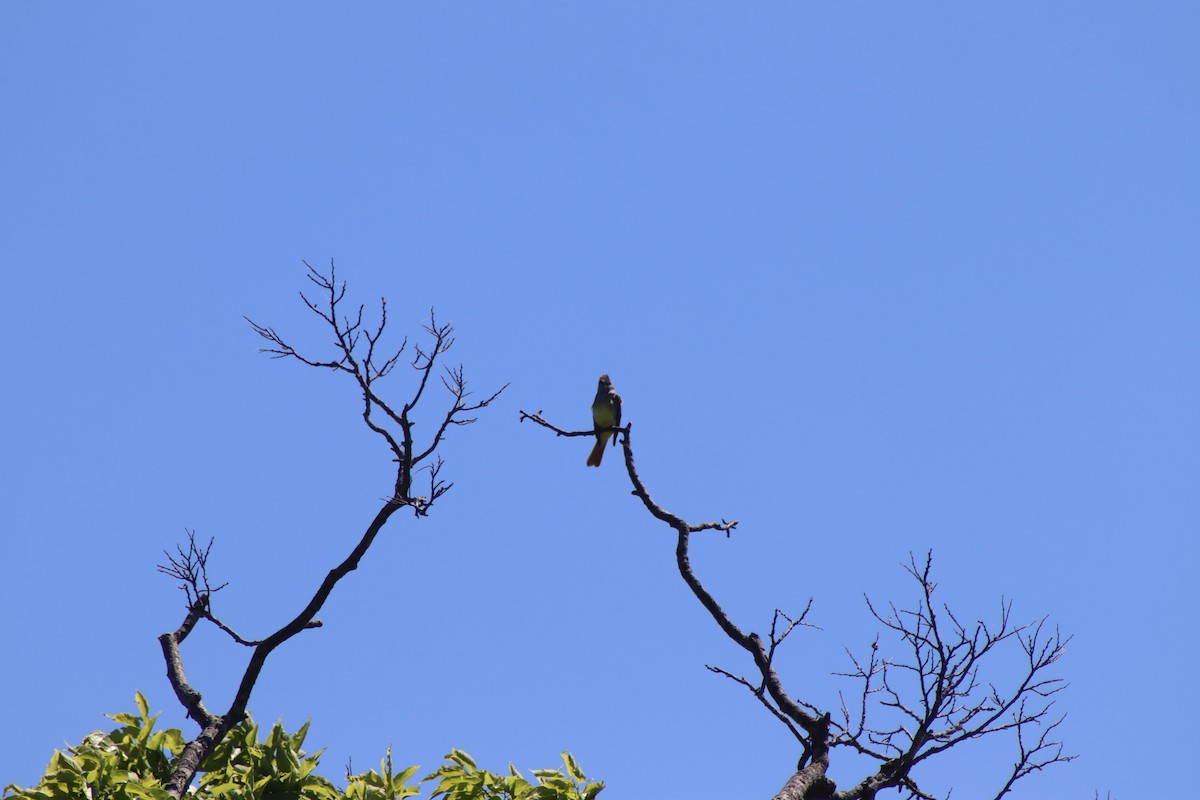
606,413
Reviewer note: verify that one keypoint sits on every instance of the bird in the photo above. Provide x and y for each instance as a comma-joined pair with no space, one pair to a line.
606,413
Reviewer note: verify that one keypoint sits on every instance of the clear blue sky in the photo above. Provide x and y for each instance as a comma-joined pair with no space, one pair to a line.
871,278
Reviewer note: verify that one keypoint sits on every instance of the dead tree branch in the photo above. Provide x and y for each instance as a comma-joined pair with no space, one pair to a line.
190,566
812,730
930,700
357,351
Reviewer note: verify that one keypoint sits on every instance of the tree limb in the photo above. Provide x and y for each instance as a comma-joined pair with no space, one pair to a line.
356,349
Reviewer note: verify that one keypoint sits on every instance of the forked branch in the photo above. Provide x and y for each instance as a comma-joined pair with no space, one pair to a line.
358,352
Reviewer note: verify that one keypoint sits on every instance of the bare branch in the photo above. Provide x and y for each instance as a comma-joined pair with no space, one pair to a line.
759,691
815,729
456,384
1037,755
190,567
525,415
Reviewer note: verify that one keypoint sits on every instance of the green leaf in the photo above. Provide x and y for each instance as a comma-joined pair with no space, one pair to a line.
572,767
299,736
459,757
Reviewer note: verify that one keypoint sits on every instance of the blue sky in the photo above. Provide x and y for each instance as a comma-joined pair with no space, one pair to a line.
871,279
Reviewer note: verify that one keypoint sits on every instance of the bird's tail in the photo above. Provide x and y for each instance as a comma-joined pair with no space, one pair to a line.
597,453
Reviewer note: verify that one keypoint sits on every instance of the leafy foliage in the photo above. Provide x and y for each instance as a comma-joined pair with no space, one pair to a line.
462,780
133,762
